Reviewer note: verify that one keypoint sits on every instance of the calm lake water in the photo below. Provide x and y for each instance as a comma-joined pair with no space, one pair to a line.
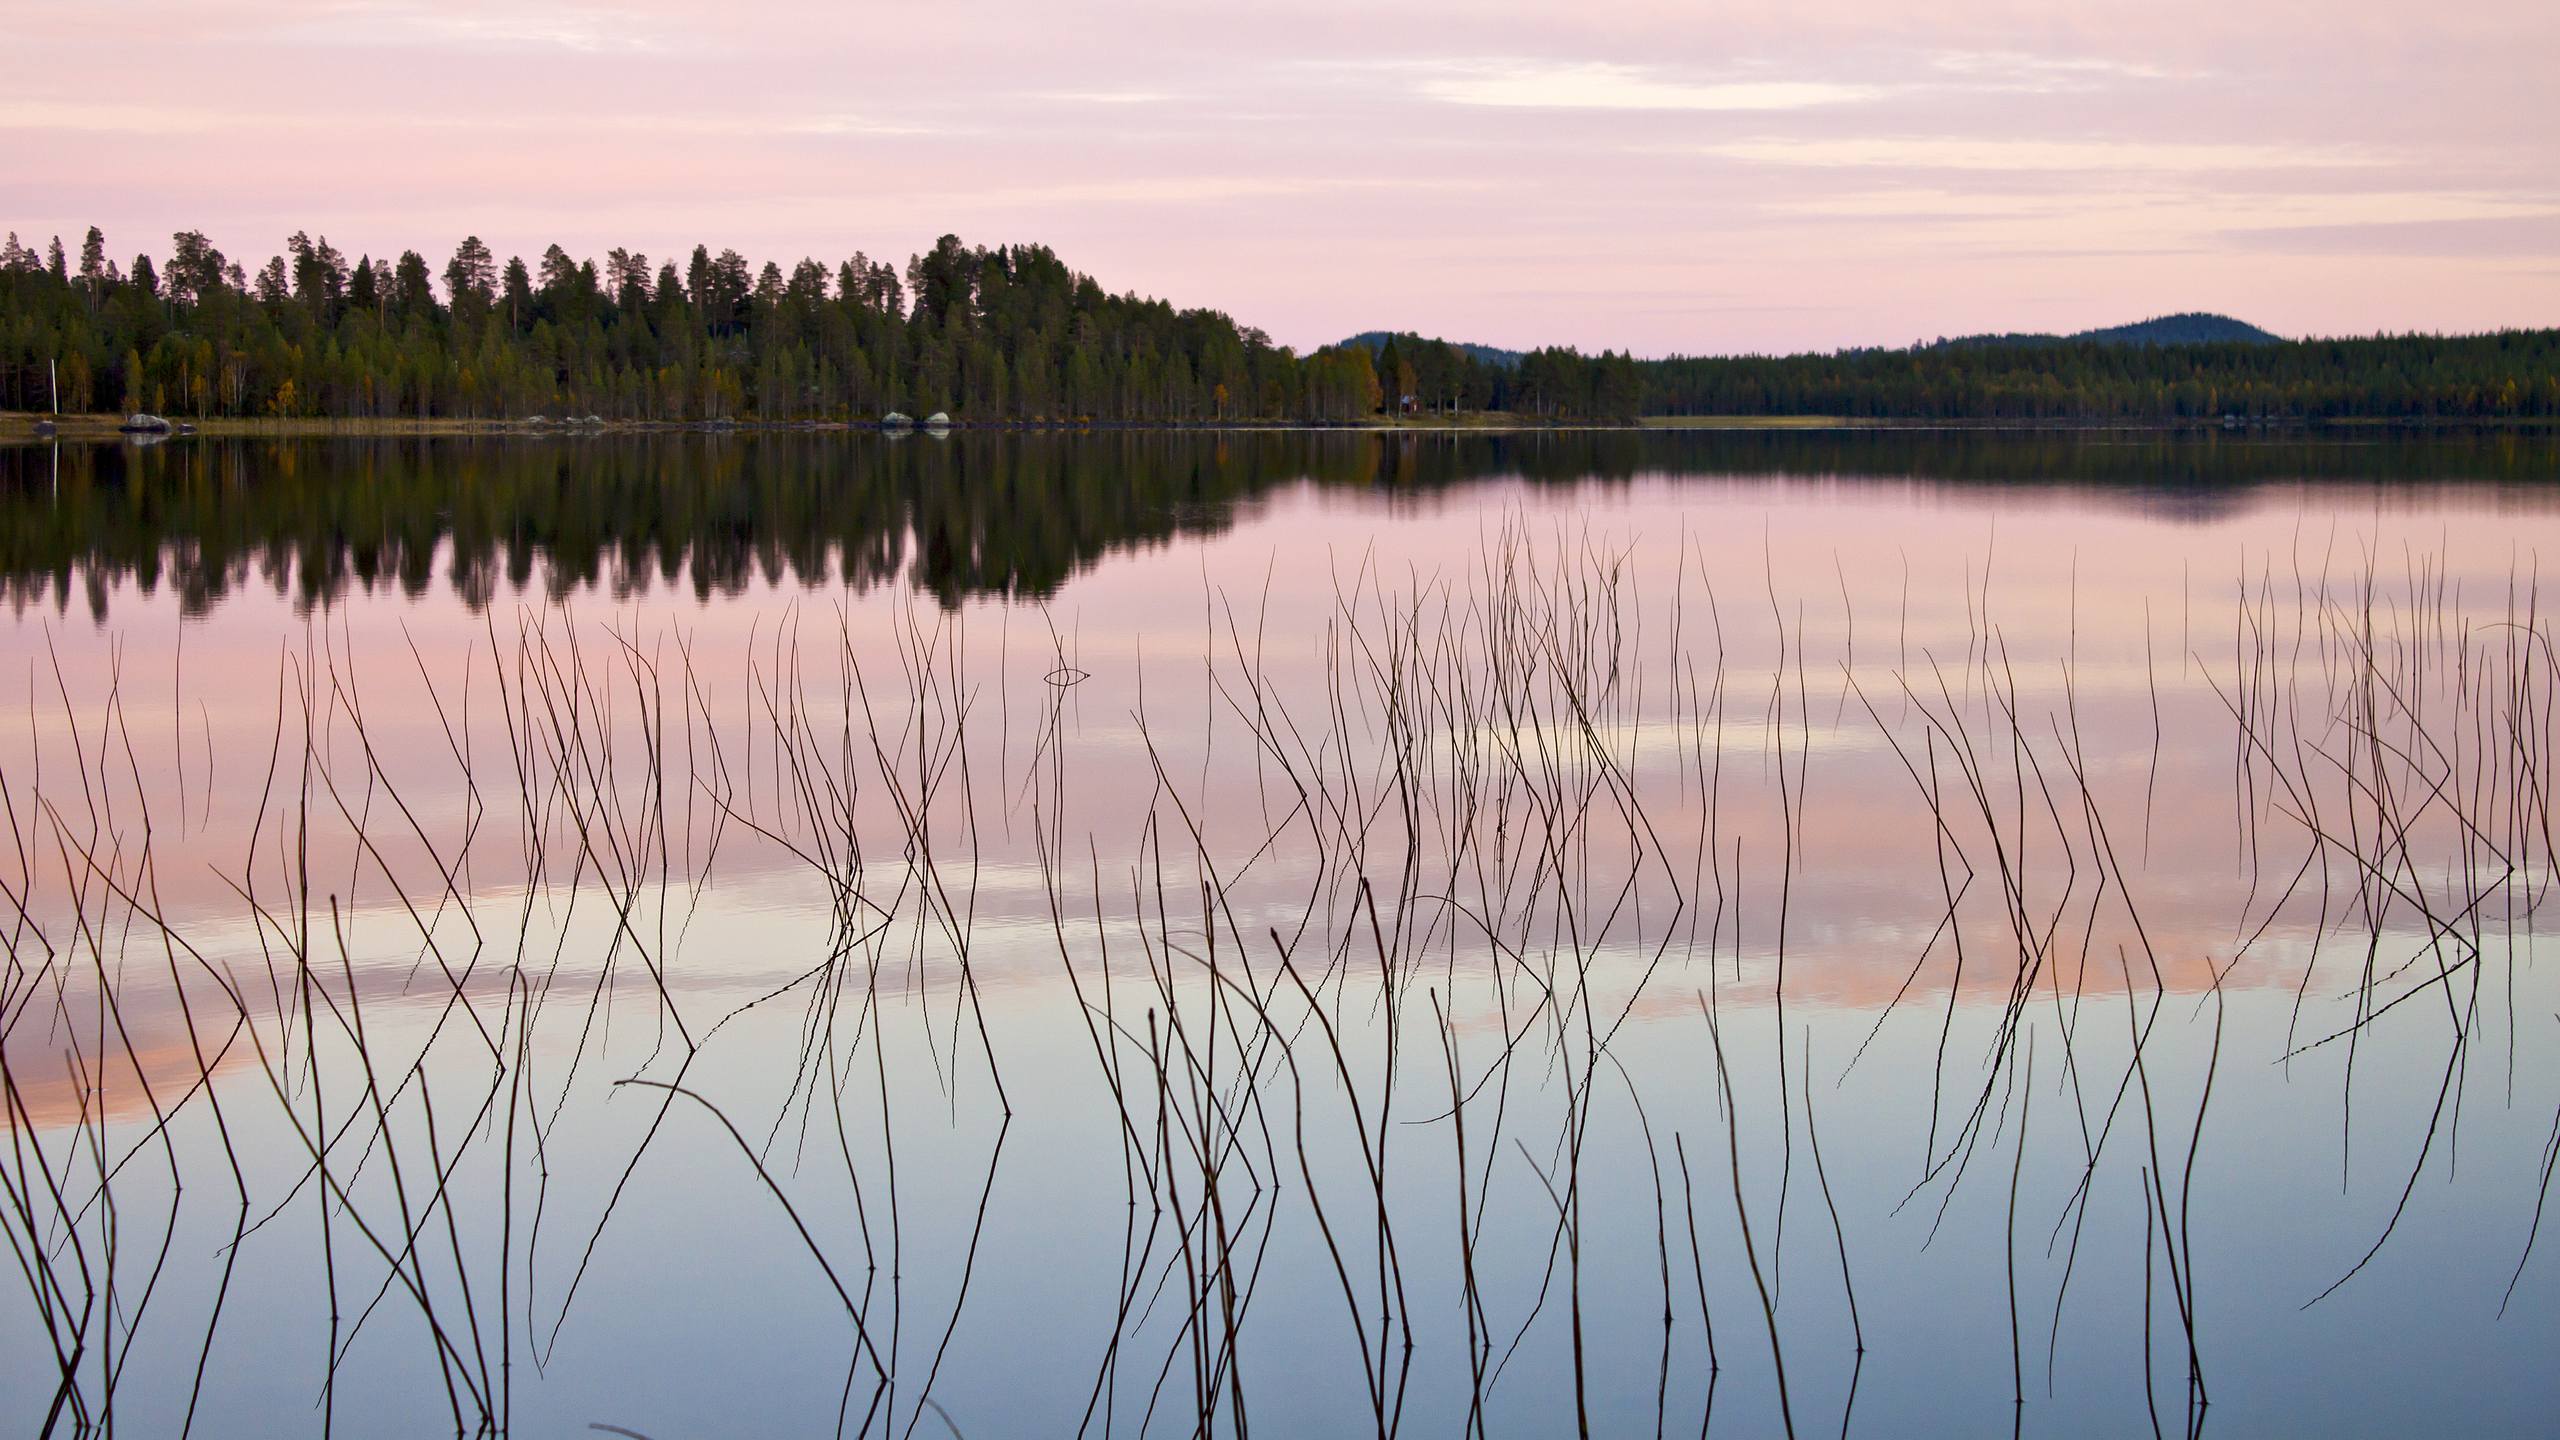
1889,933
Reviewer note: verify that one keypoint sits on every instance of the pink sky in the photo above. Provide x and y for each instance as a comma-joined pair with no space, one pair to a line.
1661,177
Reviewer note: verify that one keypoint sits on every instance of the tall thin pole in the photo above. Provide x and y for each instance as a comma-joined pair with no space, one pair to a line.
53,382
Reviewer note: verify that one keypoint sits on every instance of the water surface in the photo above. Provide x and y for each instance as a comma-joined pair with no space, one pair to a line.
1145,933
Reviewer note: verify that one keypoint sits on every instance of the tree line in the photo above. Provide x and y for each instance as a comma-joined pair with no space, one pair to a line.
2509,374
1011,334
988,335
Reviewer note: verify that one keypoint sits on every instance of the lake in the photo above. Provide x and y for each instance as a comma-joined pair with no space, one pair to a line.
1886,932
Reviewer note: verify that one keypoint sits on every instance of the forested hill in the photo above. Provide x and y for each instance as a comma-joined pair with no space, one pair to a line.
2135,374
1012,335
1375,341
2190,328
2507,375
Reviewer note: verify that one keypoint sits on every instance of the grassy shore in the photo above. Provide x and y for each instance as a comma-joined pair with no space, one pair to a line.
21,425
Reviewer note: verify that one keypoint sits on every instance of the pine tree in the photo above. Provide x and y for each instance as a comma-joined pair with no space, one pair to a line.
93,266
195,267
627,273
413,295
517,290
471,282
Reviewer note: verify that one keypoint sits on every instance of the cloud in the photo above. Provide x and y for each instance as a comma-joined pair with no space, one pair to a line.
1964,153
2431,206
2159,220
1600,85
528,25
2020,70
1182,190
108,117
2307,208
1917,202
1107,97
818,125
2527,236
112,118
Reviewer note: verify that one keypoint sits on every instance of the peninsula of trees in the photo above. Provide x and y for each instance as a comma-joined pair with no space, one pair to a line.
1011,335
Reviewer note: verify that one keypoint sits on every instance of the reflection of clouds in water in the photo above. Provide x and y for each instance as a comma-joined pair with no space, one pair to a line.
2032,623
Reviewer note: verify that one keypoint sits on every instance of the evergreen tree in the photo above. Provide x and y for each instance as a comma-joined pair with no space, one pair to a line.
413,295
93,266
471,282
195,267
626,272
1396,374
516,291
697,276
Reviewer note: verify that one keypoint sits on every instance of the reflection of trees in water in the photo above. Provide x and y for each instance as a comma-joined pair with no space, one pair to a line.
1001,514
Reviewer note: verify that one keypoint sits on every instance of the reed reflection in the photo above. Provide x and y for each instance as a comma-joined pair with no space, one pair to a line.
1549,954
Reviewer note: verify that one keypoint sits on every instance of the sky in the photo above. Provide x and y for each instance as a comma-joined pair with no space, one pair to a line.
1698,178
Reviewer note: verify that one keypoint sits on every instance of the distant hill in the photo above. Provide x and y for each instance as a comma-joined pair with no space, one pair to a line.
1377,340
2191,328
2194,327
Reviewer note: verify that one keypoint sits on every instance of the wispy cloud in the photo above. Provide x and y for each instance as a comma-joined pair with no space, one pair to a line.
1185,190
129,118
1107,97
2529,236
530,25
2169,203
834,123
2148,220
1911,152
108,117
1601,85
2024,70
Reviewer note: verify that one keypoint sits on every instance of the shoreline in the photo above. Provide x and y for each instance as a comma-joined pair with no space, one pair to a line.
23,426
